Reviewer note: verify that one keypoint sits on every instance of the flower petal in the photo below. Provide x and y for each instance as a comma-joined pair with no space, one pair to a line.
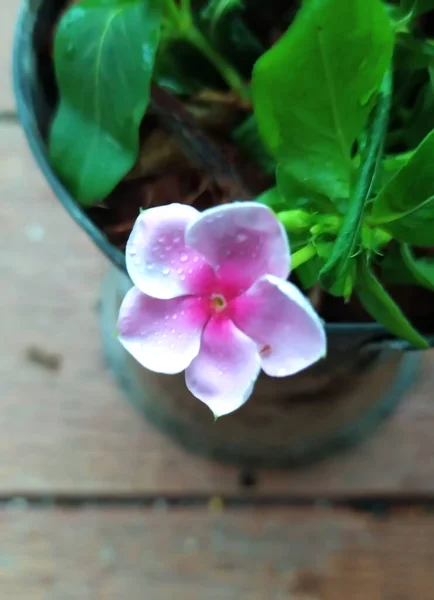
225,371
162,335
157,259
282,321
242,241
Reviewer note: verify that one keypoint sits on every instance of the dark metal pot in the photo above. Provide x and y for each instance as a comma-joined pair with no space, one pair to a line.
287,421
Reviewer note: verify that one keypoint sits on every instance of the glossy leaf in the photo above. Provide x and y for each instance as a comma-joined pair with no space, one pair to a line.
422,269
384,309
314,89
405,206
104,57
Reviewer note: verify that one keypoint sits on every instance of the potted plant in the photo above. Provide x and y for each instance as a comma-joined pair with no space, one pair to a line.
208,146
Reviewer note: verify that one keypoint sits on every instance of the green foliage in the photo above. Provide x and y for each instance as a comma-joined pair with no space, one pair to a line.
336,275
384,309
104,55
405,205
422,269
314,89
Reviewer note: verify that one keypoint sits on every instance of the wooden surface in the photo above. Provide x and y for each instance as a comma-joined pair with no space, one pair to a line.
191,554
94,504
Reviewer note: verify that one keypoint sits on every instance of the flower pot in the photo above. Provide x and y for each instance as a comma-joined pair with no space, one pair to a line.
287,421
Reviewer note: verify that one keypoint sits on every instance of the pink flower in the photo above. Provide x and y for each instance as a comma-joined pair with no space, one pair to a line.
211,297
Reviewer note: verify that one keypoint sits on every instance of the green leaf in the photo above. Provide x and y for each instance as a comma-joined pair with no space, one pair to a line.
390,167
298,194
405,206
422,269
104,57
314,89
414,8
384,309
336,274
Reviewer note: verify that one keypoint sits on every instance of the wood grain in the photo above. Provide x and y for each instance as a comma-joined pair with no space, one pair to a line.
8,15
69,430
190,554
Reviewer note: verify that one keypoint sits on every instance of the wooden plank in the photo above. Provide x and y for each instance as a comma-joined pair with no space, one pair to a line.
240,555
66,429
8,15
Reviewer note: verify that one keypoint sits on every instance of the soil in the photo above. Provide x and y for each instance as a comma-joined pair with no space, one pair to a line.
186,156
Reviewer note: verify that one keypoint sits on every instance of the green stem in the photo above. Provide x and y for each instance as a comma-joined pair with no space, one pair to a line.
302,256
226,70
181,26
335,272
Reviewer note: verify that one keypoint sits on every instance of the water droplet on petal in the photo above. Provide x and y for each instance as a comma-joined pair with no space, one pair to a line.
182,313
180,270
176,239
165,271
190,271
168,248
241,237
161,239
174,316
173,331
184,257
182,277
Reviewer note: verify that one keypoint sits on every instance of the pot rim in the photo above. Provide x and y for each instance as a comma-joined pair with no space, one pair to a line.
22,62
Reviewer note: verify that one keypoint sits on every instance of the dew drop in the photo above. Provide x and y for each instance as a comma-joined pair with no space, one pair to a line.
241,237
180,270
184,257
174,316
182,313
168,248
166,318
196,259
190,271
173,331
176,239
182,277
161,239
165,271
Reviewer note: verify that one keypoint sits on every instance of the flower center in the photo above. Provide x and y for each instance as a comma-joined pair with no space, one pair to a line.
218,302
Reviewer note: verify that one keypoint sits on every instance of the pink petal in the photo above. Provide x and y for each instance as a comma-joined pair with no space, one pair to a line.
162,335
158,261
282,321
225,371
242,241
